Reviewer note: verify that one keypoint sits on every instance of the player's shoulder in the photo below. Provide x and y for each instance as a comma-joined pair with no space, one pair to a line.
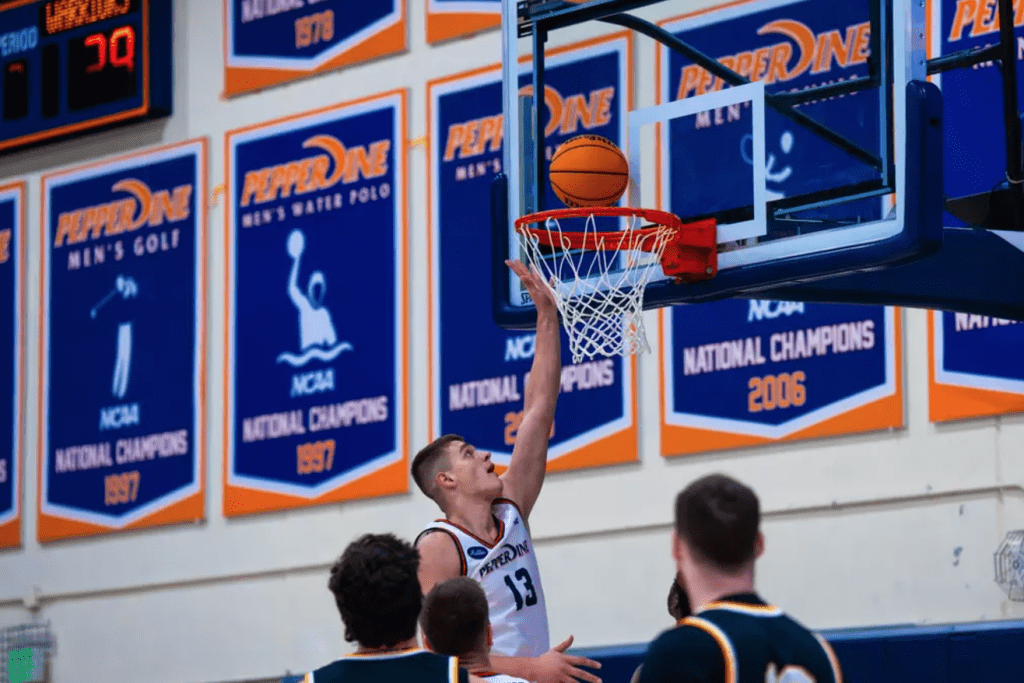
410,665
687,653
692,635
440,548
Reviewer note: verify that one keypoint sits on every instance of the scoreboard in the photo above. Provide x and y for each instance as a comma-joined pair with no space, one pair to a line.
70,66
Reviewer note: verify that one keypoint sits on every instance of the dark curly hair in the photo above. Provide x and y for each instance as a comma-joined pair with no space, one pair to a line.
377,591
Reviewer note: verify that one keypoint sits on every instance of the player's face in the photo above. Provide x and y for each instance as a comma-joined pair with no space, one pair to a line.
473,470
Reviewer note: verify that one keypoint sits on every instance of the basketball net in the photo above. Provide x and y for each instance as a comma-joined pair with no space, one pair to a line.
597,278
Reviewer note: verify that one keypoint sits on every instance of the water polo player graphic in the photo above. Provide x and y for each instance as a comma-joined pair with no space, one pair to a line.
317,337
773,176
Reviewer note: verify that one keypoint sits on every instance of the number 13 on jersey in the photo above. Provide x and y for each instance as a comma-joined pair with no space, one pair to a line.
528,596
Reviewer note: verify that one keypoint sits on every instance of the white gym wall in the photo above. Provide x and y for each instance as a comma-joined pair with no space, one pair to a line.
878,529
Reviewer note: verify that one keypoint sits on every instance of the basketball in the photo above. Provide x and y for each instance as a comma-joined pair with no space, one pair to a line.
589,170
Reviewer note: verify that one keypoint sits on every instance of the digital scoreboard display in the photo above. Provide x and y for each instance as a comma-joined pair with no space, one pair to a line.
71,66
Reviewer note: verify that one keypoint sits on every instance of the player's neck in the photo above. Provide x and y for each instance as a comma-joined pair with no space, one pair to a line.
476,663
475,516
410,644
707,587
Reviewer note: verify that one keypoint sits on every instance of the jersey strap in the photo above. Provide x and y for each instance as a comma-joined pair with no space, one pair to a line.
728,653
497,521
833,661
751,610
455,540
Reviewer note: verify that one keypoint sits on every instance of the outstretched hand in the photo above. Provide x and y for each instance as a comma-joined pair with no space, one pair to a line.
554,666
543,297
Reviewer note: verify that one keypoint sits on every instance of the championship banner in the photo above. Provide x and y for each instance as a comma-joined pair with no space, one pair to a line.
478,370
447,19
122,371
975,366
267,43
317,306
784,43
12,352
741,373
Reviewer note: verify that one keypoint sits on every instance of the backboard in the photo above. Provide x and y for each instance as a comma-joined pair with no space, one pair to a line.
805,128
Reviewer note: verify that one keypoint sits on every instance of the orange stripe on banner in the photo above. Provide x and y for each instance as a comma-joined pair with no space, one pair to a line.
445,26
239,80
885,413
402,433
949,402
391,480
612,450
10,533
53,528
200,443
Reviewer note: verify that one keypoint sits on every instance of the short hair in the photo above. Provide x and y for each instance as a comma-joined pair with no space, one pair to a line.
429,461
455,618
678,601
719,518
376,588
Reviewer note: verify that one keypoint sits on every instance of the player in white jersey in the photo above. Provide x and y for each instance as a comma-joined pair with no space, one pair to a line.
484,534
507,568
455,624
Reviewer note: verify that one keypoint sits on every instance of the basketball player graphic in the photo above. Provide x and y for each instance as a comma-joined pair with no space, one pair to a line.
317,337
484,534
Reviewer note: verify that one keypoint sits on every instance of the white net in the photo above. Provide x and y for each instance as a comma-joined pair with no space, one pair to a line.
598,279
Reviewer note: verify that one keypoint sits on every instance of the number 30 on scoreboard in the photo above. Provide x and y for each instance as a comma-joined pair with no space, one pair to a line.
71,66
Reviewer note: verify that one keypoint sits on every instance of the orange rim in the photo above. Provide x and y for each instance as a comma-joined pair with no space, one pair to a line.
660,222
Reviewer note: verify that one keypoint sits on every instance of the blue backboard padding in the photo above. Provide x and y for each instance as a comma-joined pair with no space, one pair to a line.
987,651
975,272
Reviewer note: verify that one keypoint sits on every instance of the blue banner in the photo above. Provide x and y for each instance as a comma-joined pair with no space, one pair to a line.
273,42
479,370
972,105
788,47
776,369
317,321
123,290
982,345
977,367
976,362
12,207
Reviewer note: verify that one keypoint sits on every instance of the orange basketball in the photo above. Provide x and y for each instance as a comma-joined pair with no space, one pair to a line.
589,170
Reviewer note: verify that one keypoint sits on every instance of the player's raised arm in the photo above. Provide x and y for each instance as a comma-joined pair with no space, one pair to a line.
525,474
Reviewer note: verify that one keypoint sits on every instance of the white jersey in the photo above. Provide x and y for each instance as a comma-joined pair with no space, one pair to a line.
507,571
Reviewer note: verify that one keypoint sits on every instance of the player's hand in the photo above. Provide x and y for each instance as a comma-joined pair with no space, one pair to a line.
543,297
554,666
